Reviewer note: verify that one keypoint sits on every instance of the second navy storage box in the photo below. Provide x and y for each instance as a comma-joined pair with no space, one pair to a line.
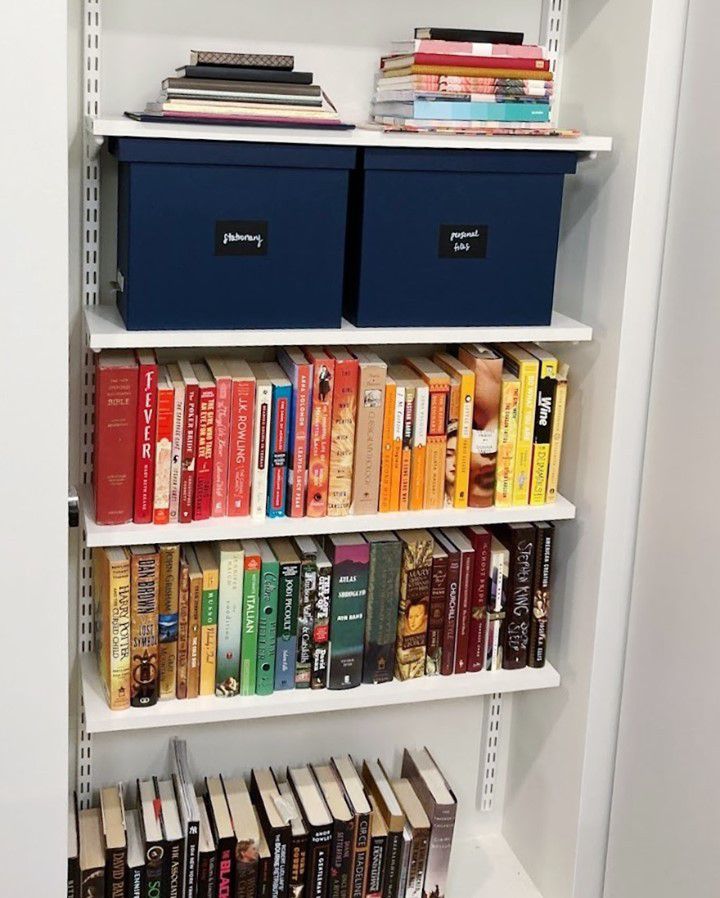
230,235
456,237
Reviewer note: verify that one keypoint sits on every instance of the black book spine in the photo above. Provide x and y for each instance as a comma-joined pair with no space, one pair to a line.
135,883
264,883
73,878
224,880
228,73
207,867
321,627
115,859
92,883
191,858
360,856
376,867
319,862
306,613
519,539
341,858
393,862
541,594
154,855
471,34
175,869
298,864
279,844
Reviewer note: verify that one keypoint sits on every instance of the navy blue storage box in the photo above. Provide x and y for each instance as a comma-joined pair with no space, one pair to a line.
230,235
456,237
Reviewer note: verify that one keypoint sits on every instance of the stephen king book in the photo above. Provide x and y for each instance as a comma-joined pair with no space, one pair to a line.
267,624
144,435
111,595
168,612
144,661
382,606
415,581
350,557
320,431
519,539
368,431
299,371
242,416
545,535
342,439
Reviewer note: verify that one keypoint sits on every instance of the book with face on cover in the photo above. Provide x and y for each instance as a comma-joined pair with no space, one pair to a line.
415,584
458,447
247,836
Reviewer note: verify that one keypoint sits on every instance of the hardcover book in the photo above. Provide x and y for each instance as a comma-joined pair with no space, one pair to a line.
357,801
92,854
519,540
342,438
209,617
183,644
189,443
542,434
320,431
247,836
350,557
162,447
189,812
300,372
458,448
307,550
481,540
525,367
410,460
144,650
116,390
112,810
207,856
145,436
368,431
243,60
111,594
223,835
231,73
343,831
202,505
266,798
321,620
390,465
173,838
288,599
507,439
168,613
382,606
267,619
136,884
472,60
450,624
154,846
437,610
265,863
318,824
544,536
250,607
378,851
242,415
415,581
261,440
195,604
557,432
230,607
299,838
380,791
497,600
221,435
467,563
514,38
417,831
278,445
176,465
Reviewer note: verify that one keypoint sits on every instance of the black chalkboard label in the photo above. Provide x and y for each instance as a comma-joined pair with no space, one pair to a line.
463,241
241,238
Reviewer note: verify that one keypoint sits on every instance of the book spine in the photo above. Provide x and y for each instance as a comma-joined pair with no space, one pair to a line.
137,885
206,875
368,438
246,872
208,634
462,639
321,627
163,455
154,853
241,448
300,434
221,446
225,870
195,597
494,641
526,425
478,610
251,602
320,434
114,443
393,864
115,872
341,859
298,866
541,597
436,615
145,581
447,666
342,439
230,602
176,465
507,442
413,609
419,448
376,867
190,874
347,616
286,651
484,440
360,856
556,440
319,863
202,507
267,628
406,449
174,878
519,599
474,61
145,443
388,439
435,472
168,618
278,843
279,428
114,624
189,448
261,438
183,644
418,863
398,455
542,435
306,613
382,611
463,452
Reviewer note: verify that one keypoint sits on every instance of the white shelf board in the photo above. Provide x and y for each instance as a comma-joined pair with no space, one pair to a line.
121,126
209,709
250,528
487,867
105,330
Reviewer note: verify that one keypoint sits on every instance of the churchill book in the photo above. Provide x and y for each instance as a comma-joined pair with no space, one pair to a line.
519,539
382,606
415,584
112,599
144,666
350,557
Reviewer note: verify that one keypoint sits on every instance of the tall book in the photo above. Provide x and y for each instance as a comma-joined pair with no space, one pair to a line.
162,447
299,371
242,416
519,540
261,440
381,792
299,837
525,367
460,427
342,434
278,444
207,856
250,608
418,465
417,828
557,432
195,610
440,805
349,555
247,836
112,809
116,391
343,830
135,879
202,504
437,381
208,617
267,619
191,414
452,597
497,600
486,365
223,835
264,877
145,436
154,847
377,853
321,621
183,642
176,465
465,585
507,439
544,538
542,434
437,610
415,581
481,540
288,598
266,797
144,648
372,371
111,594
92,854
306,548
382,606
390,464
406,380
221,435
189,813
357,801
173,838
320,431
230,606
168,614
318,824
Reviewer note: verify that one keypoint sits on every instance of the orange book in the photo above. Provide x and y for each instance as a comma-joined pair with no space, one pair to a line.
438,384
163,447
392,446
320,431
414,437
342,443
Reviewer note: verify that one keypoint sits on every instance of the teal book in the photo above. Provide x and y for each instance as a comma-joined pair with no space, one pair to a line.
307,550
288,594
472,111
279,436
227,670
251,604
267,619
349,555
382,606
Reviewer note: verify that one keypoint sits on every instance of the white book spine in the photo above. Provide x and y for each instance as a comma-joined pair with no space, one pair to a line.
261,448
229,621
176,461
420,425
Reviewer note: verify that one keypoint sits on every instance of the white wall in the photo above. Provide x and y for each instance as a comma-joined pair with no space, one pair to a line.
665,828
33,449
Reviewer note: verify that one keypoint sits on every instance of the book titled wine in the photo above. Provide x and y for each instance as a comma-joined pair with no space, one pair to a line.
349,555
163,447
320,431
544,537
230,603
145,436
168,613
299,372
145,588
221,435
267,619
111,597
382,606
415,582
342,434
372,371
288,597
519,540
542,433
242,413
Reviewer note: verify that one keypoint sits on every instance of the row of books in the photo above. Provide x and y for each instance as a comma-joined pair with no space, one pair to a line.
259,88
465,80
325,829
254,617
325,432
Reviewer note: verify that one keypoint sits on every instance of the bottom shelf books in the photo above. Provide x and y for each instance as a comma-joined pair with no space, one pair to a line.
314,831
253,617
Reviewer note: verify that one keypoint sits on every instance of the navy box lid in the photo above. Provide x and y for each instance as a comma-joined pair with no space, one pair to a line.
540,162
211,152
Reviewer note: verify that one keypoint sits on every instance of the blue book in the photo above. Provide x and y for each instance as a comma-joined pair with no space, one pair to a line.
450,110
279,434
287,612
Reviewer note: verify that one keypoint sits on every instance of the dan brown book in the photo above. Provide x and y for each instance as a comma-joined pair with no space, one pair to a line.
144,648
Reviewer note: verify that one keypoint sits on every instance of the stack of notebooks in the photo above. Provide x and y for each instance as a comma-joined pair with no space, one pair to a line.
242,88
465,80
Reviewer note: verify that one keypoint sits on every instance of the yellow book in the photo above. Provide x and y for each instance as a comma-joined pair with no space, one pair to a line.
525,367
558,423
168,611
507,439
459,434
412,450
388,439
543,421
111,592
194,622
209,616
419,446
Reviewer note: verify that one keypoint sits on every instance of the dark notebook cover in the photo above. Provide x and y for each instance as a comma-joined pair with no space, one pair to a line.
545,535
519,540
252,123
474,35
230,73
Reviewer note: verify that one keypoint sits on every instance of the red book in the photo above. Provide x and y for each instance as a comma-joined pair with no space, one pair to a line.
342,439
449,632
242,413
478,62
189,443
116,390
145,436
163,447
467,558
481,540
300,373
320,432
202,505
221,440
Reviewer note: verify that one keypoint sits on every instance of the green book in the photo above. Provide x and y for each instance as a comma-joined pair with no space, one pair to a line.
350,557
227,672
382,606
308,552
267,619
288,592
251,603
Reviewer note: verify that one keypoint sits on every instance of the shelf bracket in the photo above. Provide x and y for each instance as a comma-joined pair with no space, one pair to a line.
492,720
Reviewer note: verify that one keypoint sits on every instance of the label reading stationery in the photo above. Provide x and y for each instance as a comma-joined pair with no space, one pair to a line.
241,238
463,241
